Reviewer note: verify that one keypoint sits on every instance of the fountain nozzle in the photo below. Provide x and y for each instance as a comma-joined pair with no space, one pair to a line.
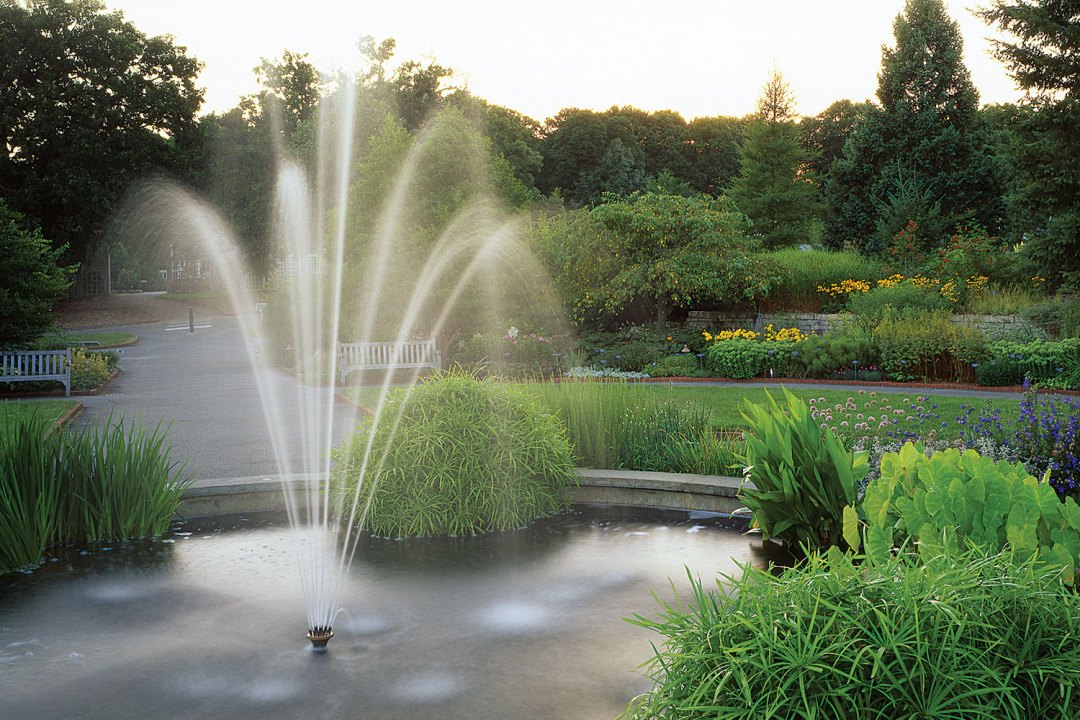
319,636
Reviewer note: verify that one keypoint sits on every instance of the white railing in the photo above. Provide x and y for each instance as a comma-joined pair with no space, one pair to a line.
387,355
34,365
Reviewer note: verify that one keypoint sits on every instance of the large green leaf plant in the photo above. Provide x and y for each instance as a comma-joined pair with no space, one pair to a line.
801,484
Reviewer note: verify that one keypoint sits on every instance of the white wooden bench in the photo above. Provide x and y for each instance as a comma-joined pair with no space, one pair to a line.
36,365
387,355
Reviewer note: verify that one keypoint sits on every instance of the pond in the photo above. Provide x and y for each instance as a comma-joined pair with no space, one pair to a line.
210,623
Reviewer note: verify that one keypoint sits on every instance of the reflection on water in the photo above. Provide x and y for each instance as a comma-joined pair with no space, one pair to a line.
524,624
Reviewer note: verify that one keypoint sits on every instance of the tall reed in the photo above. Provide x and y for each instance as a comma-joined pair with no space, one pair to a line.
616,424
107,483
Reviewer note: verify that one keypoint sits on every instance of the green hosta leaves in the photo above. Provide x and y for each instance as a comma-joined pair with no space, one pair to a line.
952,498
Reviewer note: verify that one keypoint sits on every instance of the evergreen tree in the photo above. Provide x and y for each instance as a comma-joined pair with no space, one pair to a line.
927,127
774,188
33,280
1044,59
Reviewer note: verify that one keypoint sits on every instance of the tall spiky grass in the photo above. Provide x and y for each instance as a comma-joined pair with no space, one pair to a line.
802,271
617,424
108,483
972,635
30,492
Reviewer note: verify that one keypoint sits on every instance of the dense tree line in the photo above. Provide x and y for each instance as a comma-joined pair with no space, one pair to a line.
89,105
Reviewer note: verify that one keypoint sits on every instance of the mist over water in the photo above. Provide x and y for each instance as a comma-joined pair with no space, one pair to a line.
364,263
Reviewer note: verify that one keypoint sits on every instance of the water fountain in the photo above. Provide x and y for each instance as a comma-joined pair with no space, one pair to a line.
311,224
443,624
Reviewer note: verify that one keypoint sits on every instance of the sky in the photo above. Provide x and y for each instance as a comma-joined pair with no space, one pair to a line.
697,57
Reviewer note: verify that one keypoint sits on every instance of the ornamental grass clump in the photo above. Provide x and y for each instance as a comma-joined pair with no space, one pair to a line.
805,483
957,635
455,455
616,424
56,486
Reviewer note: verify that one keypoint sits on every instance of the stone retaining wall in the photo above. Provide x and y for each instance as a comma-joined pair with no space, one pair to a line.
996,326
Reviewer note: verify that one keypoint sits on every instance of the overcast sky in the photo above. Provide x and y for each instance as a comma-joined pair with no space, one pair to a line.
698,57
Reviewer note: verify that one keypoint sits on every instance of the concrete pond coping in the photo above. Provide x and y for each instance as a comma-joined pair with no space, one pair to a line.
667,491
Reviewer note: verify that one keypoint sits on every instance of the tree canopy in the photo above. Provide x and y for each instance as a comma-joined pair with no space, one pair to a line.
1044,59
927,125
657,250
88,104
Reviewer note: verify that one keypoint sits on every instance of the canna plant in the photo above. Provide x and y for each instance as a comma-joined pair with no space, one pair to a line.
804,482
953,498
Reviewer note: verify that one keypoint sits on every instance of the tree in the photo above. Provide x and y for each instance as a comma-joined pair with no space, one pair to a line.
712,150
667,250
824,134
290,93
774,187
88,104
927,125
32,281
1044,59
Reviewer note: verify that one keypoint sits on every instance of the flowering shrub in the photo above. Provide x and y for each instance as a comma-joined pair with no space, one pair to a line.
971,251
839,291
788,334
88,370
1045,436
512,354
736,334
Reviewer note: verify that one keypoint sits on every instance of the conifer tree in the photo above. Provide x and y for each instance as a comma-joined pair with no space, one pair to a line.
774,188
1044,59
926,127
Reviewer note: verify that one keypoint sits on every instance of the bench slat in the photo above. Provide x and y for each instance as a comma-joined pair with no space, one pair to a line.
34,365
387,355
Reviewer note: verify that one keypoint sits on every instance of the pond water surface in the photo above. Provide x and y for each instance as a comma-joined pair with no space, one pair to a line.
210,623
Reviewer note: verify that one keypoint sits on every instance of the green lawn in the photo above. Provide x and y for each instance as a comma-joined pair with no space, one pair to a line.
51,410
107,339
725,403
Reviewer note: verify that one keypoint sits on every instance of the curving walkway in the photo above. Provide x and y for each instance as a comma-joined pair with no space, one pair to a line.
202,386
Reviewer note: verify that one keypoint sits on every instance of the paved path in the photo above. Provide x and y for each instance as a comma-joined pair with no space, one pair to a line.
203,384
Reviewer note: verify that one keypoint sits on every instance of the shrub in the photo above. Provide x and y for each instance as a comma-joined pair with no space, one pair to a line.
999,371
805,482
636,346
681,365
1038,360
970,252
929,346
821,356
952,498
91,484
962,636
1059,317
737,359
455,455
513,354
89,370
